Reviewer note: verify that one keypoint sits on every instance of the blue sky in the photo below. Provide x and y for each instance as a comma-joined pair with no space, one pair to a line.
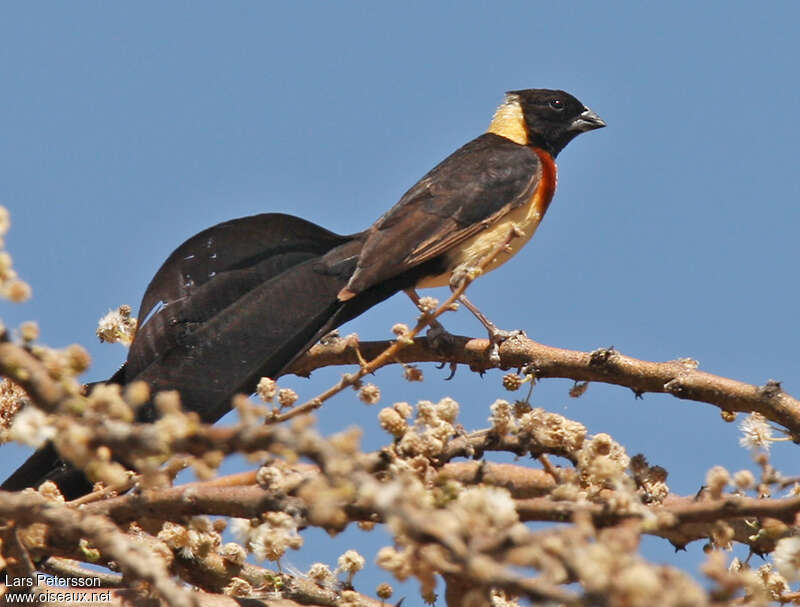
125,129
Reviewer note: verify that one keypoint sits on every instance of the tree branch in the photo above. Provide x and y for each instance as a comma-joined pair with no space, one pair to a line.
679,378
136,562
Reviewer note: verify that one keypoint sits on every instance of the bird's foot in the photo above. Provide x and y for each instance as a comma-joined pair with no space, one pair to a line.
441,340
444,344
496,339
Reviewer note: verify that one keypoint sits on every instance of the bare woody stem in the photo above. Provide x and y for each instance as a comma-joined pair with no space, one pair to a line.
679,378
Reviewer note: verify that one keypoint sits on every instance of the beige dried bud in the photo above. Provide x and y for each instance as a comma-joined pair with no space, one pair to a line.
756,432
717,479
238,587
638,584
5,221
428,304
11,399
447,410
29,331
427,413
512,381
744,480
168,401
656,484
400,329
485,509
103,453
107,399
391,421
287,397
117,326
271,539
350,562
787,558
220,525
321,574
416,442
501,417
266,389
50,491
32,427
6,262
78,358
521,407
18,291
775,584
404,409
137,393
369,394
554,430
201,524
384,591
174,535
412,373
395,562
722,535
233,553
602,463
271,478
6,270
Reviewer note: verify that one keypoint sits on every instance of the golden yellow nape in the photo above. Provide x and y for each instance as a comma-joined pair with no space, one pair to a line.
509,122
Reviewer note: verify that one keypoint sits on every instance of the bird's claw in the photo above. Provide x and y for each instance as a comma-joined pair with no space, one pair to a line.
442,341
496,339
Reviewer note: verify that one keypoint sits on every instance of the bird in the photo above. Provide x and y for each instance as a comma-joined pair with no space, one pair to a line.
245,298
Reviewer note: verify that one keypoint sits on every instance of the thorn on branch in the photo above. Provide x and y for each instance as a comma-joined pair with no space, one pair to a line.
771,389
601,356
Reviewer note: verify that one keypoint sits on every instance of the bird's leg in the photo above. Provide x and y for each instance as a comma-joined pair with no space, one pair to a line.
496,336
441,340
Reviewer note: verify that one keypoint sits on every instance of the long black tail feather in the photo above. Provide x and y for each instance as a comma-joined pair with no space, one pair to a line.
236,302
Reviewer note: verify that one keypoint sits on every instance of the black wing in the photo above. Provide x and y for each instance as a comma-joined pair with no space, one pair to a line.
216,309
473,187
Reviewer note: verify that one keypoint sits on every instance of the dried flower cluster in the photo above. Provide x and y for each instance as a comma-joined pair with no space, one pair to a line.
11,286
458,521
117,326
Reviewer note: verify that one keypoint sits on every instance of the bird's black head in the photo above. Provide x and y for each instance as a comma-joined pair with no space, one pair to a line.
551,118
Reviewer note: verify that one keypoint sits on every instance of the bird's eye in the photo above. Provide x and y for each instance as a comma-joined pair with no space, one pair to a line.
557,104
